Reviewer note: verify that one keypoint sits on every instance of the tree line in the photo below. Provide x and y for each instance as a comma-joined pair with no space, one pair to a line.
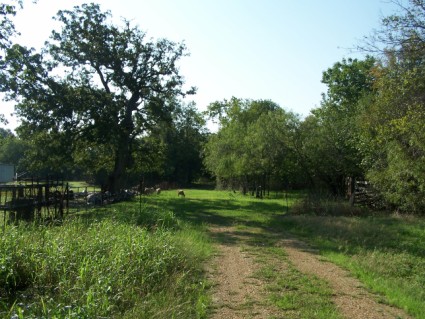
102,101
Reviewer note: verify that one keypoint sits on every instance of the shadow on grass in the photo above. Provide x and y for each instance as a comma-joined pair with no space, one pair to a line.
370,232
218,212
269,216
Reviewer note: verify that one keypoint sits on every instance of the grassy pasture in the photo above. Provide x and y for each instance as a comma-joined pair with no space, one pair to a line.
144,258
294,294
386,252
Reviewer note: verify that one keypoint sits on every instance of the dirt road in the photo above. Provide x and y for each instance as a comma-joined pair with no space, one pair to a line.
239,293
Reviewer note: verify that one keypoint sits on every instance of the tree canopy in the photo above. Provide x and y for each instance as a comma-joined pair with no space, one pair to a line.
253,143
95,83
103,100
392,131
333,144
7,31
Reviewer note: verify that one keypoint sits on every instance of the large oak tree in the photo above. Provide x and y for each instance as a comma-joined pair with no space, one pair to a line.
95,83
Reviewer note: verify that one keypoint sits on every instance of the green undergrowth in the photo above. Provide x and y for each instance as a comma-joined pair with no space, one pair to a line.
302,296
121,261
387,253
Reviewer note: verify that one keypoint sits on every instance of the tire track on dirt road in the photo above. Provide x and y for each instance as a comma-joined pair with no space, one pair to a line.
350,296
238,294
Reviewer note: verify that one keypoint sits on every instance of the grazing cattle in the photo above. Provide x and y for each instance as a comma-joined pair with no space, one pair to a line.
180,192
94,199
149,190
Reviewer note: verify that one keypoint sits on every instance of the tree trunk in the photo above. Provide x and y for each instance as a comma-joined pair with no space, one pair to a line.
244,185
115,182
121,162
123,149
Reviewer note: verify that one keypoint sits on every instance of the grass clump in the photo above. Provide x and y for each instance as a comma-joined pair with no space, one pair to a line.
112,267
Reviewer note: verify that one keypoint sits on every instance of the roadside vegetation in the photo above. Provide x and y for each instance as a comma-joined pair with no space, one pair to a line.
118,261
386,252
145,259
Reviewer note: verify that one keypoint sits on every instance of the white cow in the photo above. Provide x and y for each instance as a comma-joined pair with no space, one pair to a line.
180,192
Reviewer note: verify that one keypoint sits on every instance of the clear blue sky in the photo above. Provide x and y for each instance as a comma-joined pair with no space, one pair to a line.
256,49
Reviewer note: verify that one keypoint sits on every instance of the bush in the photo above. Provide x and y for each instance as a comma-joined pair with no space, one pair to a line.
319,204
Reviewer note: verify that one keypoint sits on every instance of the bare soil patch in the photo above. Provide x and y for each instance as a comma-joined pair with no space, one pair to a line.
237,294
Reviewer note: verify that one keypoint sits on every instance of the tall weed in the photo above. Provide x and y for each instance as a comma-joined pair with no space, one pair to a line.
99,268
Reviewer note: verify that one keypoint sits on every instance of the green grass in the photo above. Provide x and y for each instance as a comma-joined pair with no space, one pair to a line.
115,262
387,253
293,294
144,258
297,295
222,207
302,296
80,186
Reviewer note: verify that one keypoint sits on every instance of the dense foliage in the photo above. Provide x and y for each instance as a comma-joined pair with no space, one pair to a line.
253,147
95,85
102,102
7,30
393,135
330,135
369,126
